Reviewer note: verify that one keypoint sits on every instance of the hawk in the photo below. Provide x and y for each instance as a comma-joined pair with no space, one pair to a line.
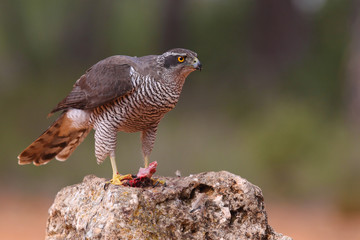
119,93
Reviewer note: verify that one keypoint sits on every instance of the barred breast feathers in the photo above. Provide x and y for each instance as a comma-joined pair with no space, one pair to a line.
155,92
144,107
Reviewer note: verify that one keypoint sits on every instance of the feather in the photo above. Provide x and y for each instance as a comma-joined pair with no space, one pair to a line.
59,141
103,82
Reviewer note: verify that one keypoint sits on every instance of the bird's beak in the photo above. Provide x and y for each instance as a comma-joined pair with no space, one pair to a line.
197,64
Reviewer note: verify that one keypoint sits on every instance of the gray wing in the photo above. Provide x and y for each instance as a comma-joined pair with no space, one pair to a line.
103,82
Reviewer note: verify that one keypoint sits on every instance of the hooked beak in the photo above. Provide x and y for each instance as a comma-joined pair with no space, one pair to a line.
197,64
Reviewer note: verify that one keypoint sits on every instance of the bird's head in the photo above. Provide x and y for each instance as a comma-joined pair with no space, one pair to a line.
179,62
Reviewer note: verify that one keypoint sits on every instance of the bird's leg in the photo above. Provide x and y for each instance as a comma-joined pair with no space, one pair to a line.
105,145
147,140
146,161
113,165
117,178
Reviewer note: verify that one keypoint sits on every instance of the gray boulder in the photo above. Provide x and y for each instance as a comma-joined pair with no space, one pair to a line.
212,205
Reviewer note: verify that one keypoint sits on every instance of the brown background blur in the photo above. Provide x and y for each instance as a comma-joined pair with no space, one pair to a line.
277,102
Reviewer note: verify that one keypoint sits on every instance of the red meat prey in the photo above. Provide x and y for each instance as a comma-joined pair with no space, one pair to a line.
143,176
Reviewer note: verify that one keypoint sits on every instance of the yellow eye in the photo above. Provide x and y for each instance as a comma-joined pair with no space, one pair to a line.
181,59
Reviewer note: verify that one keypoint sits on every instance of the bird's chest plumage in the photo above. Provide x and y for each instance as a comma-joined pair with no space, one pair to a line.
141,109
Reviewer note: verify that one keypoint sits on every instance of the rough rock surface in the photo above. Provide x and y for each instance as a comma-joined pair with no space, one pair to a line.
212,205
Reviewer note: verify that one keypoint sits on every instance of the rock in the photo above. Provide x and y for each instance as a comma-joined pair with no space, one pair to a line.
212,205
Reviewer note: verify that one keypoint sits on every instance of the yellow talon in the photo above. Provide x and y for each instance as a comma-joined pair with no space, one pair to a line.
118,179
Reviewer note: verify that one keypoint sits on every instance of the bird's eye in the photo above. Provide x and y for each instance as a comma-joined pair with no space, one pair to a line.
181,59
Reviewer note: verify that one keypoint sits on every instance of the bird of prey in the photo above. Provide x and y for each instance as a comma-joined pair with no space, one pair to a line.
119,93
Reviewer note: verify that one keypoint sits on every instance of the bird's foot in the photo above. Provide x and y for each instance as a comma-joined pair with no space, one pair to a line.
120,179
142,179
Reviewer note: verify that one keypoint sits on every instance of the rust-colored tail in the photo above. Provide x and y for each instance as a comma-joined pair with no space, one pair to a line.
59,140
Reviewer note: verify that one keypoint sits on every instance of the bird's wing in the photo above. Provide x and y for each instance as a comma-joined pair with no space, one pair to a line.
103,82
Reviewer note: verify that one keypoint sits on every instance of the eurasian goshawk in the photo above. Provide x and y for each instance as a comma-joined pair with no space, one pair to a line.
119,93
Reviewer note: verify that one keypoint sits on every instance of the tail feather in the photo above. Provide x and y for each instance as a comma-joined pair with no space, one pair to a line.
70,148
59,141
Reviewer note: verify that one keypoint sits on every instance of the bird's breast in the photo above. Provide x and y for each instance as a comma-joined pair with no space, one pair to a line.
140,110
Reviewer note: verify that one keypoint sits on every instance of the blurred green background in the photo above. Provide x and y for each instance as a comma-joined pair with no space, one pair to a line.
277,101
